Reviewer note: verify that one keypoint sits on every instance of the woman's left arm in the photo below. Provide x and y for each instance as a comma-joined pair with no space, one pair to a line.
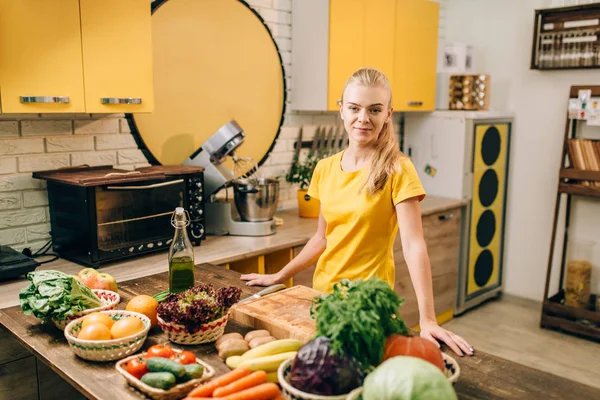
417,259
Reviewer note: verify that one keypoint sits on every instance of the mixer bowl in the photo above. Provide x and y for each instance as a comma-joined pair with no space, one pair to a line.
256,200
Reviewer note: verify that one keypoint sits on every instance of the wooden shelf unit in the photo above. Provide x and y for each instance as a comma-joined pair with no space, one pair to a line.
584,322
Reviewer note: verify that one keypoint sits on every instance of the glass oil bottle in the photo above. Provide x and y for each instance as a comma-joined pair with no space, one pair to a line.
181,254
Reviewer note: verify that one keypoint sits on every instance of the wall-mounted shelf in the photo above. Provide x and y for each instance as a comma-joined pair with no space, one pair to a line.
566,38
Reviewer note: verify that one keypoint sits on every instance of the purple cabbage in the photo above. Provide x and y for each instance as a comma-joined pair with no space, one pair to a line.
318,370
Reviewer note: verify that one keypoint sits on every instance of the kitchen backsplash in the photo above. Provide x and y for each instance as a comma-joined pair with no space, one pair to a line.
33,142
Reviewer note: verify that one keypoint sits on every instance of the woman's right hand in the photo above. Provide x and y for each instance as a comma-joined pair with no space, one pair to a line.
260,279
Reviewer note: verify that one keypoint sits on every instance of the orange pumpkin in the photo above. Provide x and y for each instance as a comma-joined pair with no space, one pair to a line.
414,346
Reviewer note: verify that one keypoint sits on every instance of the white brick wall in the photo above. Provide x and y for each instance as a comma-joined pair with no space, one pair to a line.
33,142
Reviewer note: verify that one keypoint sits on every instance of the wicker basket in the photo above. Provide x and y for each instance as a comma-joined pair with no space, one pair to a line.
291,393
107,350
452,372
205,334
109,300
355,394
176,392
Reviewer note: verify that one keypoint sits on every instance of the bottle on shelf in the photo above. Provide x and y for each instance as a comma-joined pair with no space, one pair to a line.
181,254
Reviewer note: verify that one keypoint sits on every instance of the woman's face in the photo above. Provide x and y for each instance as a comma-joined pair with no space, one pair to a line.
364,111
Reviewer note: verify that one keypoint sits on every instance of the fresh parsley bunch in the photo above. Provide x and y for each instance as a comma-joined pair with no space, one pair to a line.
358,317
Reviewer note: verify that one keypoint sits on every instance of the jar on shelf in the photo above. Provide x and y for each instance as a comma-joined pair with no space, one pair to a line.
579,274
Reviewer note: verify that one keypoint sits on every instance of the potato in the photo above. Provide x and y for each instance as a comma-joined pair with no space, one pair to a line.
261,340
254,334
228,336
233,347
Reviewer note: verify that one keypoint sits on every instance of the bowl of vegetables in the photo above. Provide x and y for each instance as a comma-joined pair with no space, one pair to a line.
107,335
319,373
62,298
164,373
197,315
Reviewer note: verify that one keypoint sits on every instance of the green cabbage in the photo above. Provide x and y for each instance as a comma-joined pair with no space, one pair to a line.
407,378
54,294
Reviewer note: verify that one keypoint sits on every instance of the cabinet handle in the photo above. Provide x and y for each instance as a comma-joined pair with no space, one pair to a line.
121,100
44,99
415,103
445,217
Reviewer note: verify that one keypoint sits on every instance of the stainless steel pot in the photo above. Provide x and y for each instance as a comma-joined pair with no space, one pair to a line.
256,199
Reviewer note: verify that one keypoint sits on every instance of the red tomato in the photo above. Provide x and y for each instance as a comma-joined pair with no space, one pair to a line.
185,357
160,350
137,367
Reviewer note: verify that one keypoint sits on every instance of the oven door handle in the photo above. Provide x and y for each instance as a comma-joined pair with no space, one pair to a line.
155,185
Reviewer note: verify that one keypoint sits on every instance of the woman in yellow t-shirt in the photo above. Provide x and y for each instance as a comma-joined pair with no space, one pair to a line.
367,192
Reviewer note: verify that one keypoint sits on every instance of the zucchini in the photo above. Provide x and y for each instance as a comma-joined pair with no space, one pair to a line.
160,364
159,380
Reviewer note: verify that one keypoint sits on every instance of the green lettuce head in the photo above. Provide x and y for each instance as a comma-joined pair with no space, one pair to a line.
407,378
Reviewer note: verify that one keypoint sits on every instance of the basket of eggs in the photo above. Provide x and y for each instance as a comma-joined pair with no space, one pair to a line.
107,335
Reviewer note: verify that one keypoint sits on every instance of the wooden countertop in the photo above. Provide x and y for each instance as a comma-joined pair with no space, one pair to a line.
295,231
483,376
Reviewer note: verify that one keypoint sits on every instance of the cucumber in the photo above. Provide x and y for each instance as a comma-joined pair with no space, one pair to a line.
193,371
159,380
160,364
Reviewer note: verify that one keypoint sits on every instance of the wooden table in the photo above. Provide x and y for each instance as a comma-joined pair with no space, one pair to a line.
483,376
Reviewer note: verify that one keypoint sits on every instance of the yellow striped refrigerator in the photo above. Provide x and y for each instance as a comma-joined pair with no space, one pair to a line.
465,155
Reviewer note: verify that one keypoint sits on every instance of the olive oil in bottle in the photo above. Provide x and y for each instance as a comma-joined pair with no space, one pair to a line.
181,255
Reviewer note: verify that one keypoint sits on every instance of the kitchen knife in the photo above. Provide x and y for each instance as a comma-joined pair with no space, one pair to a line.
264,292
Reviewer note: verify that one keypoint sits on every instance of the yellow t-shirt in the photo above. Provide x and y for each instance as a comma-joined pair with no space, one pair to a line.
361,228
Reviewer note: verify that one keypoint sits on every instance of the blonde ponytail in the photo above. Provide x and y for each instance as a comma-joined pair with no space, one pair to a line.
386,154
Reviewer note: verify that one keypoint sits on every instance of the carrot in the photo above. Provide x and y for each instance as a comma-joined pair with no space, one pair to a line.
278,396
207,389
264,391
254,379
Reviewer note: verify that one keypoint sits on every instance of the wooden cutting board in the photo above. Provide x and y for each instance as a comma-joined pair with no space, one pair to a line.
286,314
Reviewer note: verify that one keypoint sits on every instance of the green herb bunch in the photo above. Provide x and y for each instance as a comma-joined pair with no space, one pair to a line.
358,317
301,172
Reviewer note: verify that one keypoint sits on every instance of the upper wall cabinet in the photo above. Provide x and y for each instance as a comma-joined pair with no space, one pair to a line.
117,55
331,39
92,56
41,66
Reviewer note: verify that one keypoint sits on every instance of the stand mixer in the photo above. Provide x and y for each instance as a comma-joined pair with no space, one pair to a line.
255,199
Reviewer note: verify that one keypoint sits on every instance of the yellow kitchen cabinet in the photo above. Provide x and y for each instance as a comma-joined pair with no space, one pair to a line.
331,39
41,67
72,56
361,33
117,55
346,45
415,55
268,263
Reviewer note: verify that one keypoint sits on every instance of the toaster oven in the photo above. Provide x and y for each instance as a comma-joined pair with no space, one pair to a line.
101,214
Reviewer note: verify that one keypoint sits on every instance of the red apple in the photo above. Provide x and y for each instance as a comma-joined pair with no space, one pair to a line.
106,282
95,280
89,277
